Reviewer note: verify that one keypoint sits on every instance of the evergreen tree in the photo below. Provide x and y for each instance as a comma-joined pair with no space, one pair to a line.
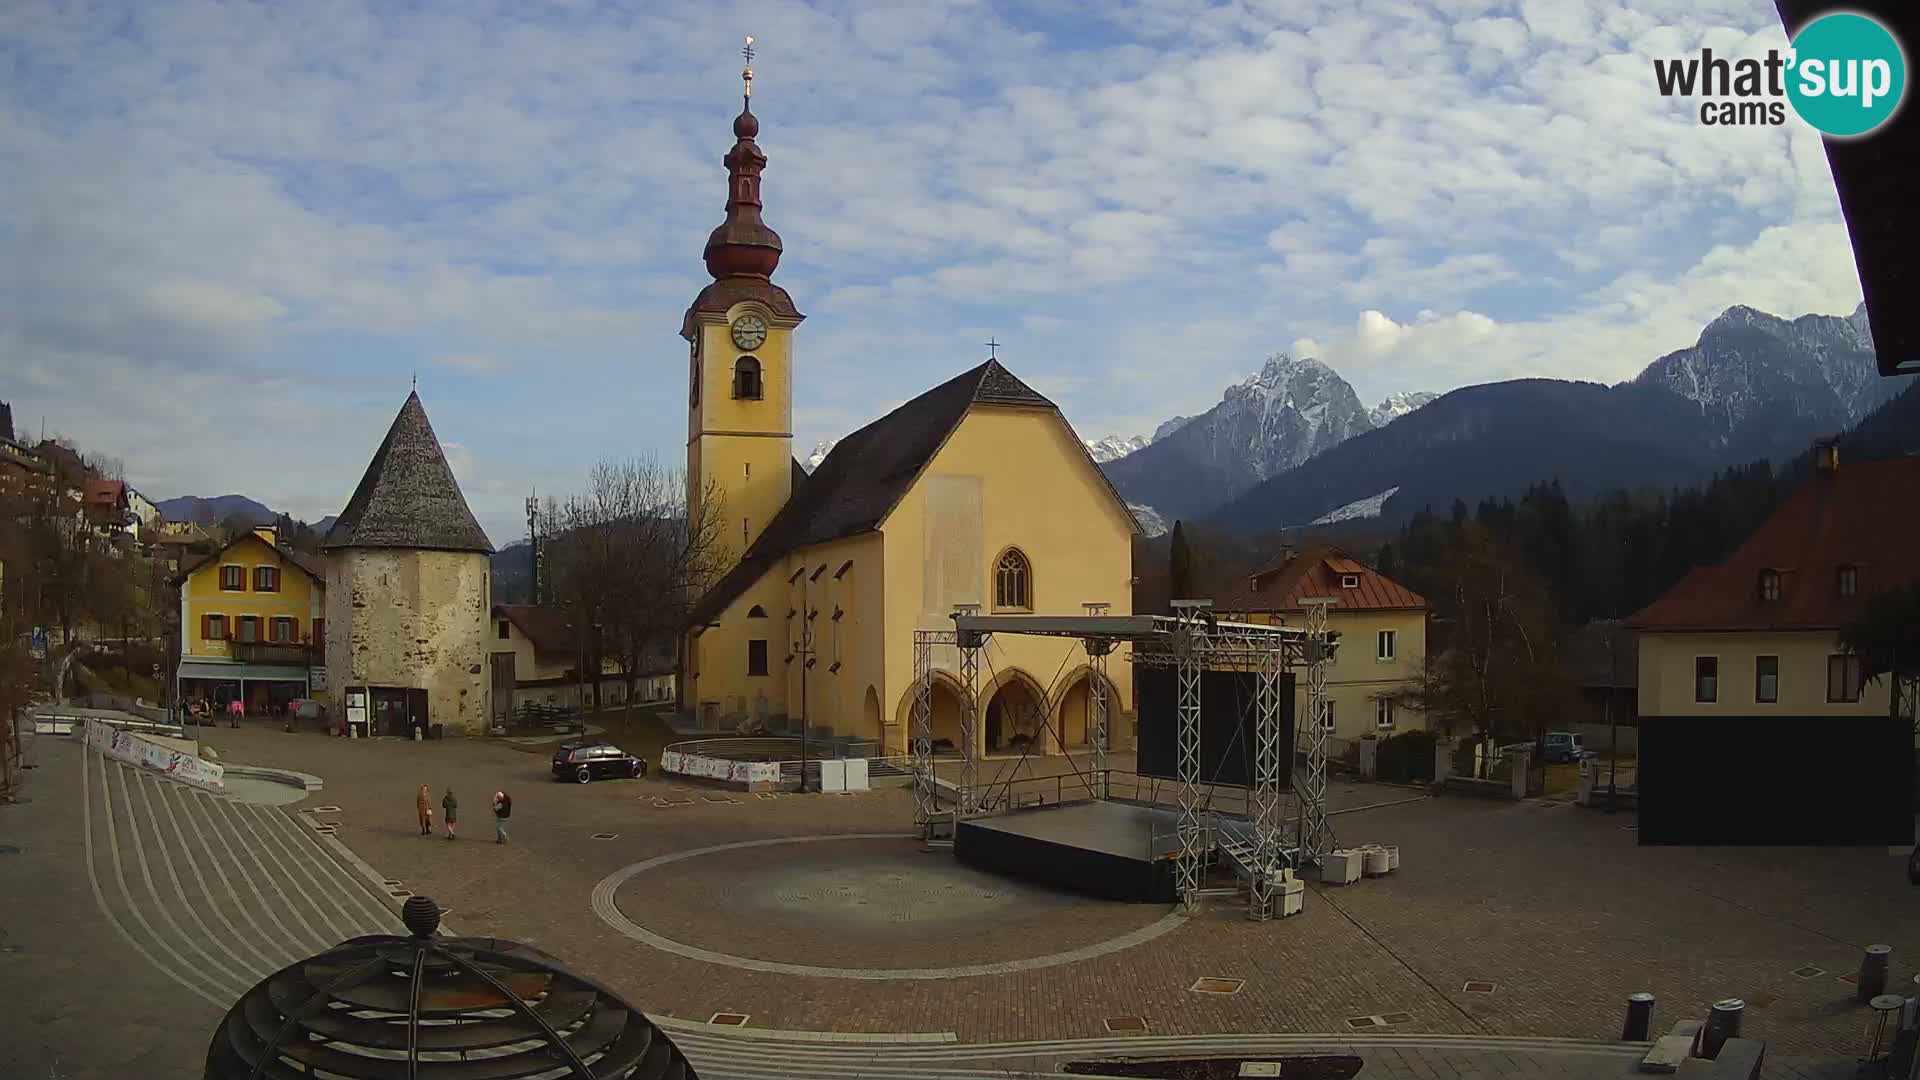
1887,641
1180,565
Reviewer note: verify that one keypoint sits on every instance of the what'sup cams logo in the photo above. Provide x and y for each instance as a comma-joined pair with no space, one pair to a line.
1844,74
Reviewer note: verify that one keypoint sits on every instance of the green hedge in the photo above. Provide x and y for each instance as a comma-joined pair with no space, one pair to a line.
1407,757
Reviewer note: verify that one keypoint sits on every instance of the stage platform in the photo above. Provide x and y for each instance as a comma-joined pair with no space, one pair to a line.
1100,848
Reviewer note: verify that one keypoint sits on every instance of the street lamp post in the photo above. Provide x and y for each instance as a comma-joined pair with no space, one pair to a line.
1613,726
580,673
804,651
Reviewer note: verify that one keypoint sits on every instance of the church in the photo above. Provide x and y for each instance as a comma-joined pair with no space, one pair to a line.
977,492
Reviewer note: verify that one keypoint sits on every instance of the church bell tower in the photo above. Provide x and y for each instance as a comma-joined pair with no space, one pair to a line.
739,333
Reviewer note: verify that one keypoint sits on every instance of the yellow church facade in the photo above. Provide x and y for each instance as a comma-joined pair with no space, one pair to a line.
976,493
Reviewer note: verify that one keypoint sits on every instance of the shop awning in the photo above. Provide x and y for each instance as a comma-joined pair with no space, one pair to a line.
210,669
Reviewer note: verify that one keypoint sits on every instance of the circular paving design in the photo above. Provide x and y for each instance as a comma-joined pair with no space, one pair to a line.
861,906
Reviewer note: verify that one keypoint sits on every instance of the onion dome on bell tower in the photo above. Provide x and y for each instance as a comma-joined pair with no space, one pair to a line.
742,252
743,245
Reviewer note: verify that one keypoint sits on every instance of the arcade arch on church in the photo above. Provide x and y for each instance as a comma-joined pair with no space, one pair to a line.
1014,719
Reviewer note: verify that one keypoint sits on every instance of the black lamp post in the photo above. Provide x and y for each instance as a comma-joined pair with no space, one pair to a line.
1613,725
804,651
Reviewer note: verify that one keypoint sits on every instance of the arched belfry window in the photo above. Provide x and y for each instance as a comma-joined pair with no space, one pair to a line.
746,378
1013,581
756,612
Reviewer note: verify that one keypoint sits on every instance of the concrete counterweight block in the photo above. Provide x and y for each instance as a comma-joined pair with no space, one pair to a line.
1340,867
1374,861
1291,892
1393,857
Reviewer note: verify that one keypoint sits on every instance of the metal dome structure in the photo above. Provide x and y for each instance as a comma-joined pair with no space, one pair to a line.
437,1008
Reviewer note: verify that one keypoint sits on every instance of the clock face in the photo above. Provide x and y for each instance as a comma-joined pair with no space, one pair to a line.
749,331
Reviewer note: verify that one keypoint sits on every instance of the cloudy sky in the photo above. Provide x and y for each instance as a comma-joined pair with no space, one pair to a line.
231,233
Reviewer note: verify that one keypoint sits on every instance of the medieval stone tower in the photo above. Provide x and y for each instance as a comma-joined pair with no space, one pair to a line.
408,590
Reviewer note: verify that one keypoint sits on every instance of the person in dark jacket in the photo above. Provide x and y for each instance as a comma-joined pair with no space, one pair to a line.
452,807
502,810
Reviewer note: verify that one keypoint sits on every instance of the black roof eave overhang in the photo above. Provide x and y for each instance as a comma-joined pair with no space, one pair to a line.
1874,182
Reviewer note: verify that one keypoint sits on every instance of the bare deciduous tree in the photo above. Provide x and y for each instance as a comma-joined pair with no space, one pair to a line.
624,554
1496,676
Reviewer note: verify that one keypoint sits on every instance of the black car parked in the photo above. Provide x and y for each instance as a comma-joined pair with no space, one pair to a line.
581,764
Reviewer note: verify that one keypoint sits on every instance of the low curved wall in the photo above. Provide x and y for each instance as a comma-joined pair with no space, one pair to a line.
134,750
705,767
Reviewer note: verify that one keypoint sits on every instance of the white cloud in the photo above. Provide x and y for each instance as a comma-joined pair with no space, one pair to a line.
254,201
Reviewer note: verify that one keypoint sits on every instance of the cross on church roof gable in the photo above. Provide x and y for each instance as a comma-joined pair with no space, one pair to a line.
867,474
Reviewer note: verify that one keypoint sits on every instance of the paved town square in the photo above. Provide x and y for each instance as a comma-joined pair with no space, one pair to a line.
809,914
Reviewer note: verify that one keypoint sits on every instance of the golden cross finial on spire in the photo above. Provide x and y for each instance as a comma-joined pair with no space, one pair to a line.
746,74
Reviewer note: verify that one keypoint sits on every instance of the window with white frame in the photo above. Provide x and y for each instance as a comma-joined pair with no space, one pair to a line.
1383,645
1843,678
1383,714
1706,678
1327,719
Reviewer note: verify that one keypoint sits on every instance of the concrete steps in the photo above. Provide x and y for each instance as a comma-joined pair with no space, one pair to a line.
216,892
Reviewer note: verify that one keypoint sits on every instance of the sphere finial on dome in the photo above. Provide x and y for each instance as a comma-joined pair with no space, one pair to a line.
743,245
421,915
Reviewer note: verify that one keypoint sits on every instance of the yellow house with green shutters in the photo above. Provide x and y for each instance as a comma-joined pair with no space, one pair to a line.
252,625
976,493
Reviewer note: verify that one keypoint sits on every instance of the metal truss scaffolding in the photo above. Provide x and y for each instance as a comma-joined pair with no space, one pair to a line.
1191,642
1266,788
926,805
1314,833
1097,723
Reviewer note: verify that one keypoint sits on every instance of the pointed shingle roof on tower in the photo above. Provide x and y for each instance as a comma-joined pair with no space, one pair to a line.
408,497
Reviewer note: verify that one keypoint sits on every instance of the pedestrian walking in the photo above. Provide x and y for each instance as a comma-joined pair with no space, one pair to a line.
452,807
424,804
502,810
234,712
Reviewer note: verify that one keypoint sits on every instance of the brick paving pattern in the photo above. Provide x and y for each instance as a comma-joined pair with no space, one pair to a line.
1554,904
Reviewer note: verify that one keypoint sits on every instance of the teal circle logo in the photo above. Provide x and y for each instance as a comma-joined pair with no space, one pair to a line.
1847,74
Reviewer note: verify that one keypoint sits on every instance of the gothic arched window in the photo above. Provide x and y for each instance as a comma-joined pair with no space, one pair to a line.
1013,581
746,378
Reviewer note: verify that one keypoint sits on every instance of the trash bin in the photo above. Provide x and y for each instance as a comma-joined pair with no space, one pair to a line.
435,731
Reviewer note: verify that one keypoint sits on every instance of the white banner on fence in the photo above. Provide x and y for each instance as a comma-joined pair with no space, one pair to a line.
738,772
134,750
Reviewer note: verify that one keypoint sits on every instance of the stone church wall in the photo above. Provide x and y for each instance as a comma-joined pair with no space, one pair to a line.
415,619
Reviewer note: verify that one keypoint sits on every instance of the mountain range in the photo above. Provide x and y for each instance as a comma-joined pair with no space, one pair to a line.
204,510
1293,445
1752,386
1292,409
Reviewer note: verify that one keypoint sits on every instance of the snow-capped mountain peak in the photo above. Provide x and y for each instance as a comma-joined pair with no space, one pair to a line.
1750,369
1398,405
817,455
1114,447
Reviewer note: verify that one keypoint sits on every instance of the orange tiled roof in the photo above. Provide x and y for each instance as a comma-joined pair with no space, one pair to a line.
1280,585
104,492
1863,515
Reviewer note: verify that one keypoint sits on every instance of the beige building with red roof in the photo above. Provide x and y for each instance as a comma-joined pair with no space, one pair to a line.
535,659
1758,634
1382,626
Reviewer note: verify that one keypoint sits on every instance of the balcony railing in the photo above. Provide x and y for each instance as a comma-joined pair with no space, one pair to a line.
274,652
